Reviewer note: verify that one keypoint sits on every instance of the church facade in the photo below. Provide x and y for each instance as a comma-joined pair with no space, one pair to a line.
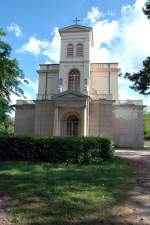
80,98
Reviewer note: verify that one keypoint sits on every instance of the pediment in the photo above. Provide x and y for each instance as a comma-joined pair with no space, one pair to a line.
69,95
75,28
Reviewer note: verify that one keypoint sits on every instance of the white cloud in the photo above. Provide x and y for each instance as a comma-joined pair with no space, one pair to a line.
124,94
13,27
33,46
125,40
47,62
32,84
14,98
94,15
51,49
103,32
122,81
146,102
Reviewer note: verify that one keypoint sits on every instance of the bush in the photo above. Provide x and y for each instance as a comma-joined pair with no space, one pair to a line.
147,137
56,149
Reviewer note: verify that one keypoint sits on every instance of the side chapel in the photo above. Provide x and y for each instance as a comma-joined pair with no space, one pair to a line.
79,98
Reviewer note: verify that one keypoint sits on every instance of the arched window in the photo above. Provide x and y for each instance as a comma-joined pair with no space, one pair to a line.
72,126
79,50
74,80
70,50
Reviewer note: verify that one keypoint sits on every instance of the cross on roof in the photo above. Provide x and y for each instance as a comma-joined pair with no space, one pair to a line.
76,20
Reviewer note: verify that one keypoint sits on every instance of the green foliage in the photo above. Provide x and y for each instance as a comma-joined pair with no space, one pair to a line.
141,79
146,9
7,126
50,194
56,149
10,76
147,126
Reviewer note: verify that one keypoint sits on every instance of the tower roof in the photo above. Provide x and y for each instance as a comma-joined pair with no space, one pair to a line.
77,28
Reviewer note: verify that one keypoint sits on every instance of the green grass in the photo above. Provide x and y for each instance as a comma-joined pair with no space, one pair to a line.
45,194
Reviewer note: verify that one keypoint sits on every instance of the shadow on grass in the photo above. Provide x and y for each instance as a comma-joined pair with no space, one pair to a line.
46,194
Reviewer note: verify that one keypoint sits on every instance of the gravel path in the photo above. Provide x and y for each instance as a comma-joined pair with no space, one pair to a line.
138,209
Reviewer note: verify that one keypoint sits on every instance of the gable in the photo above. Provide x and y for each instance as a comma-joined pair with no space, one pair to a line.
69,95
75,28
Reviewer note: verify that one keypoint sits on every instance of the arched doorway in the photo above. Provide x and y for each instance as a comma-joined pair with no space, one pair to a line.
72,125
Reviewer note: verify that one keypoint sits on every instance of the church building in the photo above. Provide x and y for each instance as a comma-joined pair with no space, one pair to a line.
79,98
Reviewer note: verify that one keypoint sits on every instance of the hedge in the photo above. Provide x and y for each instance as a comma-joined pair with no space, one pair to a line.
147,137
56,149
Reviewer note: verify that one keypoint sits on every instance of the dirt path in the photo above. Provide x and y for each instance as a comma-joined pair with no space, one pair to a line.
138,209
5,217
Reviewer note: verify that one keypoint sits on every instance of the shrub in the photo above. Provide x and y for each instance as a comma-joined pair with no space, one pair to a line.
56,149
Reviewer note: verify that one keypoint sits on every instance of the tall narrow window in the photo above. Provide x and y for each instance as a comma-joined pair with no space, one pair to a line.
70,50
79,50
74,80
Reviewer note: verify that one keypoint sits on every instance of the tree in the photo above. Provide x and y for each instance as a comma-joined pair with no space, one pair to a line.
10,79
7,127
146,9
141,79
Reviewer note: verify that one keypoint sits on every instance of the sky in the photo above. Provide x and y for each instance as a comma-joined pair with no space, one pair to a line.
121,34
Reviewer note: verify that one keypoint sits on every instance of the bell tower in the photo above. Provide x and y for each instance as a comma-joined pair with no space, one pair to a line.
74,70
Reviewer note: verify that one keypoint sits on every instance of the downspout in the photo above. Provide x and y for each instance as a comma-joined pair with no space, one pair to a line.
46,82
109,78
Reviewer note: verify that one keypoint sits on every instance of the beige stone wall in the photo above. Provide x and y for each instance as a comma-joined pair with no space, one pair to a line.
122,122
104,80
48,81
24,119
128,129
44,118
100,118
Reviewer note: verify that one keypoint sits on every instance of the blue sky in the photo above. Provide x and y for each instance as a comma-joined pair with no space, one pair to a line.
121,33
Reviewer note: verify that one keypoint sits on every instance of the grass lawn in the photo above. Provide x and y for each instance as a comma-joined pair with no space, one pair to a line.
45,194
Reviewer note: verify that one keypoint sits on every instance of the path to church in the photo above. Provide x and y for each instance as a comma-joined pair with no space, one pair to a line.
137,211
5,218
